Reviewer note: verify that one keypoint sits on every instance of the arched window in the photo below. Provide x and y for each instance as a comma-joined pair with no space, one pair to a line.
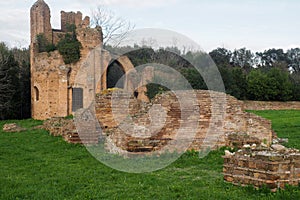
115,75
36,94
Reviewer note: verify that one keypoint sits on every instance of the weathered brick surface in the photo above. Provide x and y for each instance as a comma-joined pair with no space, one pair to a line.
271,105
263,167
51,79
66,128
202,122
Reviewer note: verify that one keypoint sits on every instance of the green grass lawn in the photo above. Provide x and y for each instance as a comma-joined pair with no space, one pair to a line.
35,165
286,124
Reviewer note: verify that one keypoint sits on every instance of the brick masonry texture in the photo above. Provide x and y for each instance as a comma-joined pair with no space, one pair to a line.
263,167
208,118
136,126
271,105
51,79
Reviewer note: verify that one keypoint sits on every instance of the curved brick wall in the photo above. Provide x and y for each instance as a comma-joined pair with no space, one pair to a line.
213,129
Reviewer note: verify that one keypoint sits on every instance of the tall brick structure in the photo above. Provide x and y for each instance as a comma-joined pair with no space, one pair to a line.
52,81
56,90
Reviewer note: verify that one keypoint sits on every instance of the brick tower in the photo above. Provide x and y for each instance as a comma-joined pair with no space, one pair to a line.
53,88
40,21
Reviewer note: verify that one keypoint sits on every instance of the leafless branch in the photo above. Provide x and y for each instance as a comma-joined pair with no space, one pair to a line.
115,29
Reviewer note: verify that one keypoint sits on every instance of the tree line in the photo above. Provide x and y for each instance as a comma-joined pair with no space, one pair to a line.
272,75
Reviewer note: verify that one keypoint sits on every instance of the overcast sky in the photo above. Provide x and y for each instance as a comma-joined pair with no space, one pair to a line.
255,24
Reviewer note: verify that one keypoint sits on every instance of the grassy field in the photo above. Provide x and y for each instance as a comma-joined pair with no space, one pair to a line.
35,165
286,124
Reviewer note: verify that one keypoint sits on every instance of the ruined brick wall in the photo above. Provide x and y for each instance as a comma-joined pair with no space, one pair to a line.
51,79
68,18
40,20
271,105
54,80
211,130
264,167
57,35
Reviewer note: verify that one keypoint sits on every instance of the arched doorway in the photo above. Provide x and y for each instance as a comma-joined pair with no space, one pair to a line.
115,76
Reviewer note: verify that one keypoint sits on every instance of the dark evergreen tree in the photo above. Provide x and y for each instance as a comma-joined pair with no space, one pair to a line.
10,99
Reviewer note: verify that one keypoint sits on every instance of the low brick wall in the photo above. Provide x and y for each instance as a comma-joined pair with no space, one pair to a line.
269,168
210,126
271,105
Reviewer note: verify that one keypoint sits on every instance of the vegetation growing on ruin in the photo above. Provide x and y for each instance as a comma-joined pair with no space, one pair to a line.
69,46
35,165
43,44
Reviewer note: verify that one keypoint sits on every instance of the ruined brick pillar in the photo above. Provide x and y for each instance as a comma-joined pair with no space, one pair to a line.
40,21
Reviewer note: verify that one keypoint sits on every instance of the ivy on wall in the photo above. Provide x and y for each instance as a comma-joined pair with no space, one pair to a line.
43,44
68,46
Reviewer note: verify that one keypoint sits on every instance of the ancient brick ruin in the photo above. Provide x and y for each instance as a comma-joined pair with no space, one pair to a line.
273,167
272,105
59,89
52,81
210,128
126,123
55,91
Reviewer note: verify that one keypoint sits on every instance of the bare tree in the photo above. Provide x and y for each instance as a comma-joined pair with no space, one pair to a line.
114,28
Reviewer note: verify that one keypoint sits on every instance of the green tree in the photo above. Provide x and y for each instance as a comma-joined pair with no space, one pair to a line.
22,56
9,84
280,83
234,81
269,58
25,90
295,79
293,59
194,78
243,58
273,85
221,57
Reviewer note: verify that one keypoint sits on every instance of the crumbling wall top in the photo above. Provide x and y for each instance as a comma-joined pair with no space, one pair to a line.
40,3
68,18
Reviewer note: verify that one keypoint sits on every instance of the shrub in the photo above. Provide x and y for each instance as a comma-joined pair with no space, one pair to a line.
273,85
154,89
43,44
69,47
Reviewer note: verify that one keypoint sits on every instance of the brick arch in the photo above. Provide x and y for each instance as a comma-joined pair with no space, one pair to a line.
128,68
